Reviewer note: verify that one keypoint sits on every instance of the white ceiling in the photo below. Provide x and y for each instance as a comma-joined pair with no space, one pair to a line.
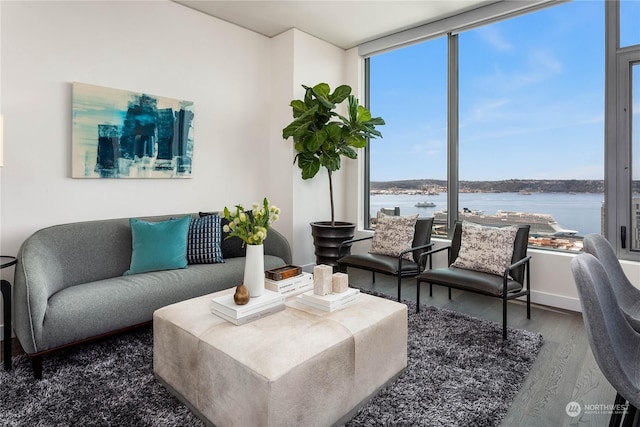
343,23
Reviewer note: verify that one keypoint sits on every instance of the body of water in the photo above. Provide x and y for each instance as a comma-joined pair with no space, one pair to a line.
581,212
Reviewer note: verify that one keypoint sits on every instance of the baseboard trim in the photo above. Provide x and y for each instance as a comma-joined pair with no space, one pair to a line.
556,301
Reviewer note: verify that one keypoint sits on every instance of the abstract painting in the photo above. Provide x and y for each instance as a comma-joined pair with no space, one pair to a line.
122,134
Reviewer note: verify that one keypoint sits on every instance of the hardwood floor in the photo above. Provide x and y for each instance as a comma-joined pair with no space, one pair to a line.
564,371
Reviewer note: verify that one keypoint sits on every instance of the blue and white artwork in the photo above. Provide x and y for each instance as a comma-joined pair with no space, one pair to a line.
122,134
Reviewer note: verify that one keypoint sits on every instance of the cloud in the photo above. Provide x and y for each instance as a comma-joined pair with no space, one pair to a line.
494,39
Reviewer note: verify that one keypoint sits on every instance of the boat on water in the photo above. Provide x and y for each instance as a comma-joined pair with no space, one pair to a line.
425,205
541,224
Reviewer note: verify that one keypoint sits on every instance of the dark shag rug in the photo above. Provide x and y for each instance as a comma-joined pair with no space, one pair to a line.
460,373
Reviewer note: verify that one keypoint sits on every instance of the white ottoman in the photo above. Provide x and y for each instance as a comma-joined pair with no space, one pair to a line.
300,366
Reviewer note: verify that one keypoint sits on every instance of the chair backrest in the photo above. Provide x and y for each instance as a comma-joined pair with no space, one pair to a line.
520,245
599,247
614,343
422,236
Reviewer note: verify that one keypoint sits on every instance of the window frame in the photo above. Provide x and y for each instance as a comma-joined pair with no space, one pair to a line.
617,135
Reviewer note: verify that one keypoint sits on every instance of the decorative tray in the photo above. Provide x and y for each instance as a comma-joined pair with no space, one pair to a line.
282,273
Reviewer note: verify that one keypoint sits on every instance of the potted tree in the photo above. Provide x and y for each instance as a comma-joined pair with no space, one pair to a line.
321,137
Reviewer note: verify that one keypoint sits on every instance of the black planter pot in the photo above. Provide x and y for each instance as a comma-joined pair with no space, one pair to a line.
327,240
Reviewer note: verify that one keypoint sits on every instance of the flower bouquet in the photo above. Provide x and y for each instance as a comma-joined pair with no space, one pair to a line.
251,226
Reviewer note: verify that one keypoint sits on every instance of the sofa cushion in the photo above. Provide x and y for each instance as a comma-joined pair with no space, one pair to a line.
95,308
393,235
158,245
232,247
486,249
203,243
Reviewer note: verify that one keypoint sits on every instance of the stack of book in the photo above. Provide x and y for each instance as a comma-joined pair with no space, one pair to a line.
268,303
330,302
292,286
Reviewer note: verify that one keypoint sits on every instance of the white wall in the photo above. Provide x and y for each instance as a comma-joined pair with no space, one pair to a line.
241,84
159,48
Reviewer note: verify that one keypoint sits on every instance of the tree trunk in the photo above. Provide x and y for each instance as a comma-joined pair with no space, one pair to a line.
333,218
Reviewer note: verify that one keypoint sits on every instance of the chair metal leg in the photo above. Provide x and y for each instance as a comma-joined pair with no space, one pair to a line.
6,308
629,417
418,295
373,276
430,290
399,285
616,417
504,318
449,293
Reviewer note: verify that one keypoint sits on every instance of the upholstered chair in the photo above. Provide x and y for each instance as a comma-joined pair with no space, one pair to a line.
614,343
626,293
395,265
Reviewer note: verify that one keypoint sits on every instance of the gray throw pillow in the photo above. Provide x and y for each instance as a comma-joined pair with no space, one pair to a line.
486,249
393,235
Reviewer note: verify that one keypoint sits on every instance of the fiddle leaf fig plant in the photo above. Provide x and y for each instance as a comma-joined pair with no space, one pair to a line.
321,136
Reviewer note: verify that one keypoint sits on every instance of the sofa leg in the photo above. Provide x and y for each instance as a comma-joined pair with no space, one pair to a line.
36,363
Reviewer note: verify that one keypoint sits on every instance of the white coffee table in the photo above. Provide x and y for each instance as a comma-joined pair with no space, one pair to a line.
297,367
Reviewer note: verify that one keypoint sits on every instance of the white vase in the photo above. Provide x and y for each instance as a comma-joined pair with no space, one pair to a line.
254,270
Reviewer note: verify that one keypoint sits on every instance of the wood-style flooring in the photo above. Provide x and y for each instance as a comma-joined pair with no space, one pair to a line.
564,371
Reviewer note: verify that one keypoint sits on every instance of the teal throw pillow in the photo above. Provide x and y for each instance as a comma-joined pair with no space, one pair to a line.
158,245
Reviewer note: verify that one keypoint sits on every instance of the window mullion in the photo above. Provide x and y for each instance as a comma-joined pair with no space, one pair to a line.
452,132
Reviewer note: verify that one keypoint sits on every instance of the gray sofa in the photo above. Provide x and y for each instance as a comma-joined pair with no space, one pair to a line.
69,284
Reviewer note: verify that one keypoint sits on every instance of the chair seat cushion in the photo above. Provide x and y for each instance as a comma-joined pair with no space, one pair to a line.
468,280
393,235
379,263
484,248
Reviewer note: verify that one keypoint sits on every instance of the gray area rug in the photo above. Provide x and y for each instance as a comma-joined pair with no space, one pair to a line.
460,373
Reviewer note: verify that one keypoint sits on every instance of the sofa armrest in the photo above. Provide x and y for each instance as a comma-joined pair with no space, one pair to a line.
38,275
276,244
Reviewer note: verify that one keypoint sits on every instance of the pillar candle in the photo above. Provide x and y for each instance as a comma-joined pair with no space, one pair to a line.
322,279
340,282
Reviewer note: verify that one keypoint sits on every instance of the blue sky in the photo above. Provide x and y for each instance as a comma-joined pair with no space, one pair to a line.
531,101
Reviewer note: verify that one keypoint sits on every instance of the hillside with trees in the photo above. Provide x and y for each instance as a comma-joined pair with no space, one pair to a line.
505,186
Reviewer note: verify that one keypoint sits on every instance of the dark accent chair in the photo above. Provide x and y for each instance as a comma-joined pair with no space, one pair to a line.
626,293
390,265
614,343
512,284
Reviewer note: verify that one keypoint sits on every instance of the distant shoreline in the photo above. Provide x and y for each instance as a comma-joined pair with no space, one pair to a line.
523,186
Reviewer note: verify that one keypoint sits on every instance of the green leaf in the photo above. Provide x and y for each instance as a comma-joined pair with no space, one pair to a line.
321,92
295,129
314,141
299,126
299,107
349,152
357,141
331,161
309,164
376,121
364,115
334,132
340,94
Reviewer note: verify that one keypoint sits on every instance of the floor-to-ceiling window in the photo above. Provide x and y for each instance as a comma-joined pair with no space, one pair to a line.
408,88
530,140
